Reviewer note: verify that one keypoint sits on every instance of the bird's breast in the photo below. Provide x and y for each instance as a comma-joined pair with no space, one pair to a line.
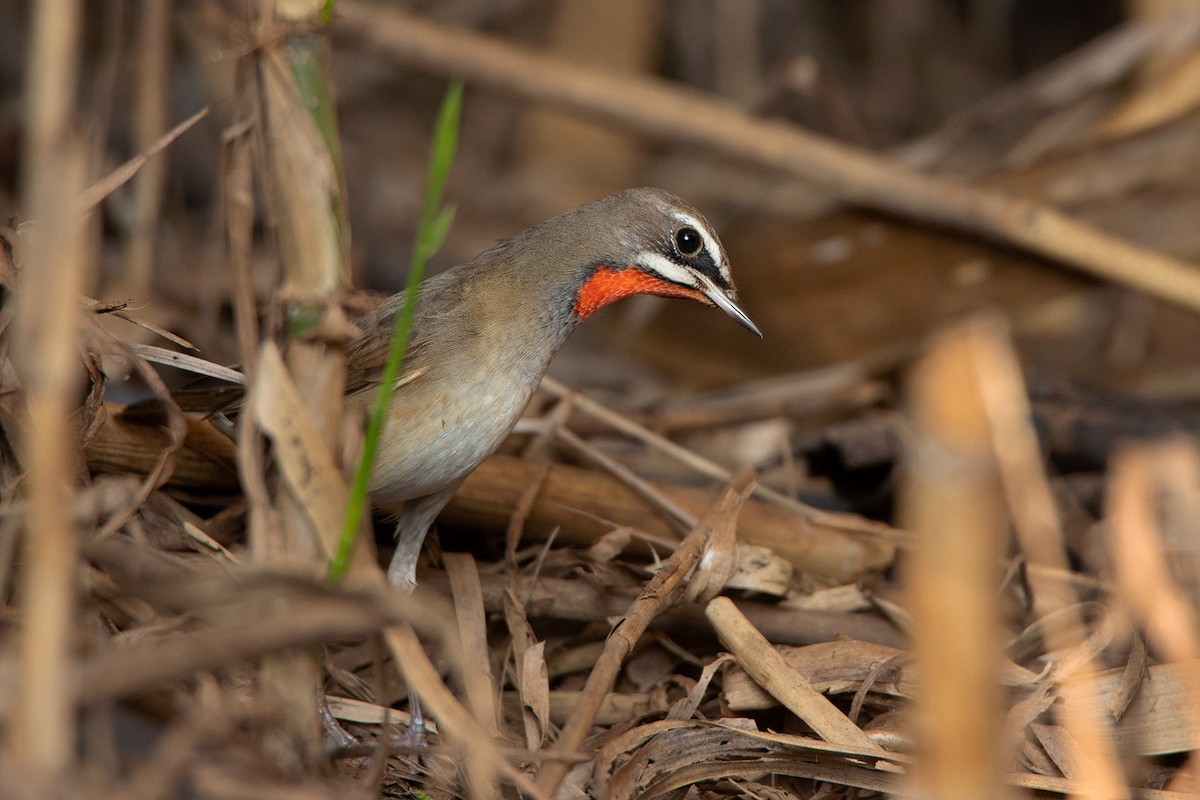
485,344
442,428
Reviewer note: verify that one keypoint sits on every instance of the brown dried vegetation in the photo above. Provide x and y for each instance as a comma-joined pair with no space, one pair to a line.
937,533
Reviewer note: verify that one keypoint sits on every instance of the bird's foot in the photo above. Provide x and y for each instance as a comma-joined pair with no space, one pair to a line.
416,737
336,737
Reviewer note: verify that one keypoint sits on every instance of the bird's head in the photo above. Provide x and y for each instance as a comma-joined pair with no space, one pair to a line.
662,247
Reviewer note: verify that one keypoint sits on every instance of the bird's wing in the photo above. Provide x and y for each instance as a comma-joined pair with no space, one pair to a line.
367,355
437,306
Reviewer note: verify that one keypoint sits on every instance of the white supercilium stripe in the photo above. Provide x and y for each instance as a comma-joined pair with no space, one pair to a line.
666,268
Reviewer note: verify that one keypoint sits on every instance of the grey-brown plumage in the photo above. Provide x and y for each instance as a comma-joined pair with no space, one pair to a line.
485,331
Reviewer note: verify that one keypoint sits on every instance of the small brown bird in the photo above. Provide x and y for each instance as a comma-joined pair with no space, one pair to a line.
485,331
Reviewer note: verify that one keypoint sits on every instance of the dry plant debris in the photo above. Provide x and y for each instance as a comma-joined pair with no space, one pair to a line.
946,568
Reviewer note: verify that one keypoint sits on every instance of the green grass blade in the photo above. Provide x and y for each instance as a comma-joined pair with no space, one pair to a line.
440,229
435,224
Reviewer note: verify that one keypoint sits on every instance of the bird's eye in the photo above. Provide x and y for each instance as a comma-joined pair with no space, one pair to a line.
688,241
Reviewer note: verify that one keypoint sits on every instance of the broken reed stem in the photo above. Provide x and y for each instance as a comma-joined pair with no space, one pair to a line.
659,593
42,731
769,670
656,108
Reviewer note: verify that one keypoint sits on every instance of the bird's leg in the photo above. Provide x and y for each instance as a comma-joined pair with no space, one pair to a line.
410,535
402,573
415,735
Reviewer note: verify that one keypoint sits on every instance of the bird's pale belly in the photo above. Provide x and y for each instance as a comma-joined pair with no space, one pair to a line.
434,440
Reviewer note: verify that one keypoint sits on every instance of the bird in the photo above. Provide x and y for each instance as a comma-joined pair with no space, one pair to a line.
484,333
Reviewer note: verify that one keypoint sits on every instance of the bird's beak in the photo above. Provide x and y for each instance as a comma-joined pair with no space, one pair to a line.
727,301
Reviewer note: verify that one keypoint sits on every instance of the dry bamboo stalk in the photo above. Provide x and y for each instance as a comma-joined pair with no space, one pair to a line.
41,734
207,460
656,108
583,505
302,179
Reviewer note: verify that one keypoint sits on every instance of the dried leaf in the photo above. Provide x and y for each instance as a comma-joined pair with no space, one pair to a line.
610,545
535,692
759,569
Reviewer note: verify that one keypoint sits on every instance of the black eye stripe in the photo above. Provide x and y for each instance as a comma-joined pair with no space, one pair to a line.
704,264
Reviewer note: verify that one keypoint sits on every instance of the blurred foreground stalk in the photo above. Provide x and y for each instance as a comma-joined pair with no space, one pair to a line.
952,502
54,267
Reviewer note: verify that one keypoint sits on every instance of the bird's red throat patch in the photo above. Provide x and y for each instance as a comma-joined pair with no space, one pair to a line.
608,285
